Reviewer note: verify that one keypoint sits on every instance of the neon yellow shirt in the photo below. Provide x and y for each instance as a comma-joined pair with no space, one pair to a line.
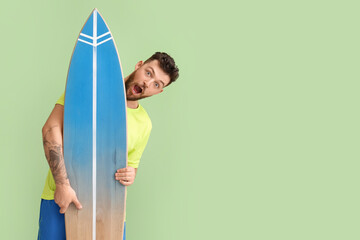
139,128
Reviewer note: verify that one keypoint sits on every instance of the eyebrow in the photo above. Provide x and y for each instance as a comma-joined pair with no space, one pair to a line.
155,75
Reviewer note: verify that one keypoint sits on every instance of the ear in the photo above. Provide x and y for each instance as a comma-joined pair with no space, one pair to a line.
139,64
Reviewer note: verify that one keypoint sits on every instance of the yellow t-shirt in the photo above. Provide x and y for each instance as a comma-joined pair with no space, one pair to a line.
139,128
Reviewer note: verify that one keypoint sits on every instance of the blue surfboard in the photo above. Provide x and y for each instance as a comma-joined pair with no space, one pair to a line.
95,140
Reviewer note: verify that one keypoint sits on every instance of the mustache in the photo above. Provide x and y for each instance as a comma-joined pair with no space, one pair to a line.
130,80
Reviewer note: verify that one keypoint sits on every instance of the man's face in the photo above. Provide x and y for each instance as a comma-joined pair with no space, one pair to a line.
148,79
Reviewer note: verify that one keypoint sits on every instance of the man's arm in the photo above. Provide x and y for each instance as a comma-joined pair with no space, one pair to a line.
52,133
52,141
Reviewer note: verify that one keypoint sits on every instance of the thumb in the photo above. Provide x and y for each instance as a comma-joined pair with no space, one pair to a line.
77,203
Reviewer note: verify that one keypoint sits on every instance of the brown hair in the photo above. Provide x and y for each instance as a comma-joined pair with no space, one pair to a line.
167,64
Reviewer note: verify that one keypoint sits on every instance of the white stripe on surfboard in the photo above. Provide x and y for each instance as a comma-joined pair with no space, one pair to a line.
92,44
104,41
85,42
87,36
92,38
94,121
103,35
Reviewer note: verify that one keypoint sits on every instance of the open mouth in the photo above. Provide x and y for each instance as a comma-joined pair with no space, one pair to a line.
137,90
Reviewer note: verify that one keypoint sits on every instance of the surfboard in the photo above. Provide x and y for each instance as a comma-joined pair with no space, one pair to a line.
95,141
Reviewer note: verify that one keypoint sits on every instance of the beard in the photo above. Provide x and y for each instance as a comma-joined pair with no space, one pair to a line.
128,84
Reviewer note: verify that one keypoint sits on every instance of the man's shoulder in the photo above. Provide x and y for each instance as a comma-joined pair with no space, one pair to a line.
140,115
144,112
145,115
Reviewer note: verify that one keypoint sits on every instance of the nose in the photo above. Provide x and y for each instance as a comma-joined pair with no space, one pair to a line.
148,82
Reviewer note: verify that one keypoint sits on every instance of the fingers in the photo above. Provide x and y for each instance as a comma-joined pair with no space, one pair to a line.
64,195
125,176
65,205
77,203
127,169
122,170
127,179
64,208
62,205
126,183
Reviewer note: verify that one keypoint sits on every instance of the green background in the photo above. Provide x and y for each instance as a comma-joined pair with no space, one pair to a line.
257,139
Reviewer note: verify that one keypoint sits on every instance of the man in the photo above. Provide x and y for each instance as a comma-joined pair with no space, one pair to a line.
149,78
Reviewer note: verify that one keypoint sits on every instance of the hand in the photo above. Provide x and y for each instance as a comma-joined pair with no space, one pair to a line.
64,195
125,176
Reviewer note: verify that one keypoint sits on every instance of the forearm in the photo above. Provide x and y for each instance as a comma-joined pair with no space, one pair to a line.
53,148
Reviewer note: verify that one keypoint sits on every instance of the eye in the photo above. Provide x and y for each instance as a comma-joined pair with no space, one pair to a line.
157,85
148,73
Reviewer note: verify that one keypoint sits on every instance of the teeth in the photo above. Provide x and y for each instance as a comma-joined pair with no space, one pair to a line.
133,90
137,90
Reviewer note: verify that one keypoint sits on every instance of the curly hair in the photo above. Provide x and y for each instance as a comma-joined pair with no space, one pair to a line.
167,64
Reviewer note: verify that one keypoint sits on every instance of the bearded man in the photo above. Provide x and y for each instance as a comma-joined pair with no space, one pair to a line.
149,78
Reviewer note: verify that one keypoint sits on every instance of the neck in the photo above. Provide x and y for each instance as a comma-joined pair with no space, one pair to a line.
132,104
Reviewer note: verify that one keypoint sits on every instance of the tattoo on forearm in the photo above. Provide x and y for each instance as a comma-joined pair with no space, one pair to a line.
54,156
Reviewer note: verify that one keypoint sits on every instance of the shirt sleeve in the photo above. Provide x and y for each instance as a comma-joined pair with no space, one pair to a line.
135,154
61,100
